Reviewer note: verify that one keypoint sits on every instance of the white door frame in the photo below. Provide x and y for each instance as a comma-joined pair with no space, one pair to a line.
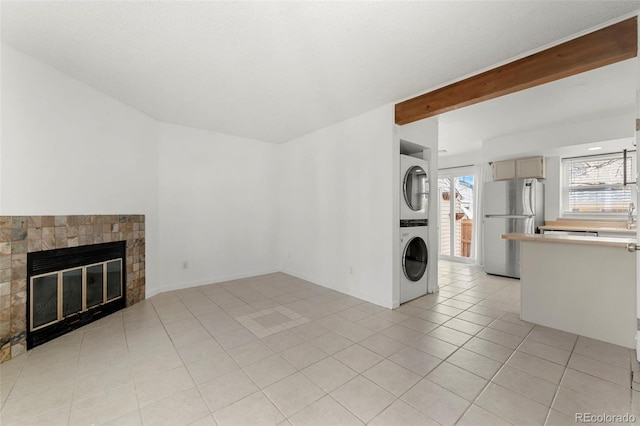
452,173
637,180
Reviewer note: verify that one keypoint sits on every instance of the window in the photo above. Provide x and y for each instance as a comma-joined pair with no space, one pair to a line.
595,184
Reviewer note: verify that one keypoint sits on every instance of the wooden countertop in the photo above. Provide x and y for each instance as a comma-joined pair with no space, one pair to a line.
588,226
571,239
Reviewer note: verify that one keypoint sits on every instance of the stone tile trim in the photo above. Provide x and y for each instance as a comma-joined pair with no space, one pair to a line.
20,235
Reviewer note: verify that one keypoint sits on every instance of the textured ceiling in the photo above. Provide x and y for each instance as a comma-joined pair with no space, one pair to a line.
277,70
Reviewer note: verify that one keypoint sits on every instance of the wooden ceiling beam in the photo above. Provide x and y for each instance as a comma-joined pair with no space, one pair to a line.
597,49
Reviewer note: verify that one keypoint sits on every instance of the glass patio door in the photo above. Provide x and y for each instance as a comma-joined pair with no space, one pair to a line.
456,211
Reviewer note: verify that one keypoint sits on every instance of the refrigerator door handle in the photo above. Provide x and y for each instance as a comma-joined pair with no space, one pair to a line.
530,226
527,197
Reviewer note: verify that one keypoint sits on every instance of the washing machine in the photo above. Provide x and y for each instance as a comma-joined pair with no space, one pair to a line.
414,253
414,178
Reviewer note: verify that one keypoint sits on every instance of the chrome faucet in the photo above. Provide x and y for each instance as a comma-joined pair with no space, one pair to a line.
632,207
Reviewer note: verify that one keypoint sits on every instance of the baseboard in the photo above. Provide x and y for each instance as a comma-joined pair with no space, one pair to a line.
322,284
215,280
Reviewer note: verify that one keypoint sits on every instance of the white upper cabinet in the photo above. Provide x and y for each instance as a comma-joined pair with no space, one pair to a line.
503,170
533,167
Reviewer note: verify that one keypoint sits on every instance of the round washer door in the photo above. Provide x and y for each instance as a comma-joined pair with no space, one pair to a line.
415,259
414,187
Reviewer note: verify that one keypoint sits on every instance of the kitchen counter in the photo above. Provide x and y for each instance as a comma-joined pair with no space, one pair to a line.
571,239
589,226
579,284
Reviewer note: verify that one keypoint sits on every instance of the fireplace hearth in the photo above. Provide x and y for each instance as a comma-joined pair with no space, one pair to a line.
71,287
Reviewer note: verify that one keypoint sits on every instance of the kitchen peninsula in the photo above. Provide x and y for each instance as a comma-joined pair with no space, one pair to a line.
580,284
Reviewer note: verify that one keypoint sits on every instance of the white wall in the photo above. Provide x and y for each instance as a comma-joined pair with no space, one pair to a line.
69,149
210,199
548,140
218,207
613,132
460,160
552,189
324,206
336,206
587,130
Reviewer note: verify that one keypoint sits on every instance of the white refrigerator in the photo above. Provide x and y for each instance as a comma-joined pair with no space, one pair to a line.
509,206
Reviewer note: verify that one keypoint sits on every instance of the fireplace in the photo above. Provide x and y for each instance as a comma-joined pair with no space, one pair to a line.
71,287
21,236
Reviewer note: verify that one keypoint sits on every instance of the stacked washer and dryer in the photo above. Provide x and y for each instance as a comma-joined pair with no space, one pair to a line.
414,221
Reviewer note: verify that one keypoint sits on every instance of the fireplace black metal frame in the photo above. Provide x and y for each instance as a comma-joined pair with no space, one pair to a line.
44,262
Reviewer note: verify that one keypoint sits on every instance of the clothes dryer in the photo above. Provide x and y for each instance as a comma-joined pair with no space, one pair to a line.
414,253
414,181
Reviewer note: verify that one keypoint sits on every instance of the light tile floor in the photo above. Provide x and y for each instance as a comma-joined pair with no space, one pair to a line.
276,350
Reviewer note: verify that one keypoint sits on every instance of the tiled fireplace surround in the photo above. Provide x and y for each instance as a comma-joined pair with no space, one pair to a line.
20,235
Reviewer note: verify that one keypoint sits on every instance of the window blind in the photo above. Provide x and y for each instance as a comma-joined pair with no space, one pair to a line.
595,184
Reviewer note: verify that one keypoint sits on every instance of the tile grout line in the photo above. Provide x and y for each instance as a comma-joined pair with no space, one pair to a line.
564,372
461,346
226,352
490,381
135,382
444,360
242,368
261,390
492,304
16,379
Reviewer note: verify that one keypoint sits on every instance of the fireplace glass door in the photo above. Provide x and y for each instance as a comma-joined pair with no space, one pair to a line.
45,301
114,279
61,294
71,292
95,283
